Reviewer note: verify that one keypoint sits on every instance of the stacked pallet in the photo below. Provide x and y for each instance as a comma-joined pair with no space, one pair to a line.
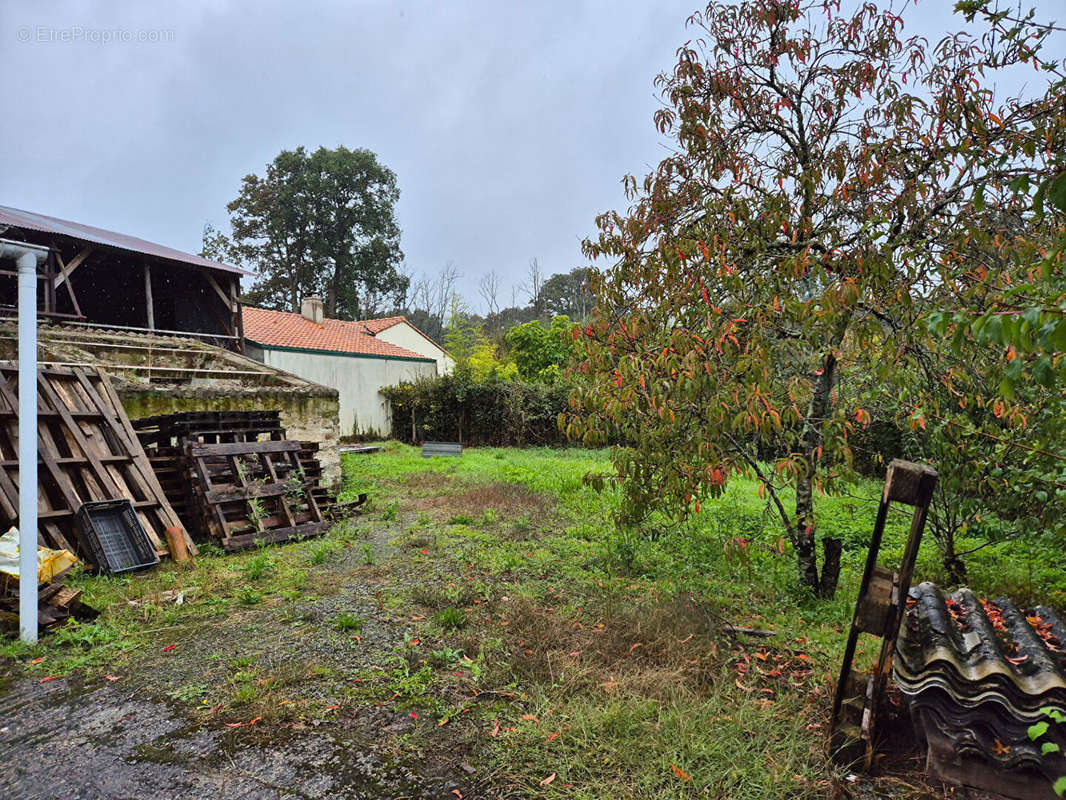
236,479
87,451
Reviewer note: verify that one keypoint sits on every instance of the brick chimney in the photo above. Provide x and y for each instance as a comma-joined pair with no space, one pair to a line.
312,309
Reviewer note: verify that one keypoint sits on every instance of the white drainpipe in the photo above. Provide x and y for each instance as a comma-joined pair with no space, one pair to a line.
28,256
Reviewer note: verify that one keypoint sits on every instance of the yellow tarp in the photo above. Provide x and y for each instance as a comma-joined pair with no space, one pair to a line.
49,562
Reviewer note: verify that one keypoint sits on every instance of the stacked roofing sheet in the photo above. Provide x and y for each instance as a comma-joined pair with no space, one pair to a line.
977,675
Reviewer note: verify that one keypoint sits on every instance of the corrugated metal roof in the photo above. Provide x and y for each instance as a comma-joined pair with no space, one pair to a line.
290,330
17,218
977,674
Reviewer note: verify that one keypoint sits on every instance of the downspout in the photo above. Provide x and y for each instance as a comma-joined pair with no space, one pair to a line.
27,256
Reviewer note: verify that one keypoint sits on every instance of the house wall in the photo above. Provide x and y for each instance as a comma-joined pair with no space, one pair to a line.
404,335
357,379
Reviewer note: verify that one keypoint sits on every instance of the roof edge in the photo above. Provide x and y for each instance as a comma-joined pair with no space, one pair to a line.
313,351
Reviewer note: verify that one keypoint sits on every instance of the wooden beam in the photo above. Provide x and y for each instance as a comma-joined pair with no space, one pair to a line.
218,289
149,307
68,269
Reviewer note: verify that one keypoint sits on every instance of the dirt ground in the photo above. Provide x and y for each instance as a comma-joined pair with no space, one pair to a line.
94,737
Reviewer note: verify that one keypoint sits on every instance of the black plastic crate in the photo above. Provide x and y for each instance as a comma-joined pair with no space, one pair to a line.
113,537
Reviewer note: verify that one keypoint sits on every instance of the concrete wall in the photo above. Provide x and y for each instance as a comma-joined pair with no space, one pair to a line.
407,336
357,379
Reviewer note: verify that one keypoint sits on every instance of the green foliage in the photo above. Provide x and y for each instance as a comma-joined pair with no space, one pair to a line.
347,621
258,566
450,618
540,353
319,224
763,287
493,412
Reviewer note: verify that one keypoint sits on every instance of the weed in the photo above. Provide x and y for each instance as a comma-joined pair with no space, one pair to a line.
461,519
488,517
258,566
446,656
425,520
391,512
321,551
410,683
247,596
368,554
522,524
450,618
347,621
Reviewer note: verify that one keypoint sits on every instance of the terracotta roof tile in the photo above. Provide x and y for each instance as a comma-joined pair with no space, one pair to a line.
286,329
376,326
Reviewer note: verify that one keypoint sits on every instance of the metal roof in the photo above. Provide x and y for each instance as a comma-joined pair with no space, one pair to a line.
17,218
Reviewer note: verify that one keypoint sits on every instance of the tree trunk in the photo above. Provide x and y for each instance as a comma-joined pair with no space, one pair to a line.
806,550
953,565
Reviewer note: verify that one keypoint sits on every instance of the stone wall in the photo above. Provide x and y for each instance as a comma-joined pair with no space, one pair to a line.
307,413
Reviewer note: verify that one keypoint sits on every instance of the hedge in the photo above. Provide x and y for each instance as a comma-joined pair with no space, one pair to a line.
494,413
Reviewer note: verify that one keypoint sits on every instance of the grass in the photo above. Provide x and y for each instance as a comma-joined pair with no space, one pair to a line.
504,618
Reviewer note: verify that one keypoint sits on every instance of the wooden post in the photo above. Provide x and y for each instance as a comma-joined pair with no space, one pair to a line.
149,308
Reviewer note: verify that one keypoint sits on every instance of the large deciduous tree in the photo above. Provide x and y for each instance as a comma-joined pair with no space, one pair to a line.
823,164
321,224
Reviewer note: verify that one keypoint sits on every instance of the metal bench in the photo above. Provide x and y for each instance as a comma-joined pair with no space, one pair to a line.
430,449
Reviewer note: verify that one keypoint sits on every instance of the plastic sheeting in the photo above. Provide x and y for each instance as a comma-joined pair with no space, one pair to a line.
49,562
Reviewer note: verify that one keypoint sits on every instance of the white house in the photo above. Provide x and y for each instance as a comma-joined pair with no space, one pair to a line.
399,331
357,359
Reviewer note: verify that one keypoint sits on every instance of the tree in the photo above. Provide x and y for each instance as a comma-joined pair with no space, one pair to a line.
321,224
541,353
823,163
430,299
567,294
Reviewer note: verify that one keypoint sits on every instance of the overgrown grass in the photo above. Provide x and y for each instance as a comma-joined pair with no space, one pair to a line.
508,620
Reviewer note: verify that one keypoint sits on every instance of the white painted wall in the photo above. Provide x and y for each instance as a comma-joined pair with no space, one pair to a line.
405,335
362,408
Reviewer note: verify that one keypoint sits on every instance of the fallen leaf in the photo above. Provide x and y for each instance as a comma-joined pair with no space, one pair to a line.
37,660
495,727
234,724
1000,749
254,721
169,647
424,552
285,703
529,718
548,780
49,678
634,647
457,793
358,638
742,687
444,721
332,708
687,638
681,774
113,677
414,715
553,737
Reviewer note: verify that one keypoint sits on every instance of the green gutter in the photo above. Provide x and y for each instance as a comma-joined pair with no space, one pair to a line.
312,351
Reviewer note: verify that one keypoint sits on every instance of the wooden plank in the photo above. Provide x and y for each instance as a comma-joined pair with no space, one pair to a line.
68,269
242,448
133,445
245,540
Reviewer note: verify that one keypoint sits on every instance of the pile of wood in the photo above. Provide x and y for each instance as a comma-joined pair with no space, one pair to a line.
56,603
87,451
234,477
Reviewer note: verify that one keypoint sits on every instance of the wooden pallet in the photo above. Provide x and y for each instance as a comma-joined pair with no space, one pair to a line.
878,612
254,492
87,451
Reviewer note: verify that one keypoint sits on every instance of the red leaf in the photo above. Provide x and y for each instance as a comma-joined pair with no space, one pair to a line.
49,678
169,647
548,780
681,774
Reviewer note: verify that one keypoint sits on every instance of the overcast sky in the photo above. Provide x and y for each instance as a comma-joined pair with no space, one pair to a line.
509,125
